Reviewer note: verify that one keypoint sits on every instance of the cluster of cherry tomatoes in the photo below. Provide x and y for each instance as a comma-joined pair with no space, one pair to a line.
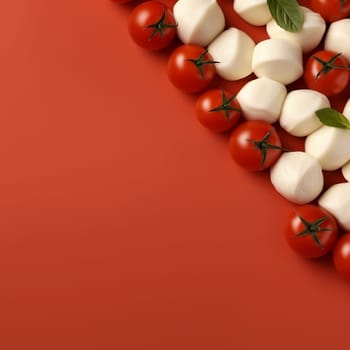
255,145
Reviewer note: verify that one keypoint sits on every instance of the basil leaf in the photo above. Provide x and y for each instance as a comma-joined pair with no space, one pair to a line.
287,14
331,117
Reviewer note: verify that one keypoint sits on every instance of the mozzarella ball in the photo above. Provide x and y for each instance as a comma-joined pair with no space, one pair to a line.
330,145
337,201
199,21
262,99
278,59
346,171
298,112
338,37
255,12
233,49
346,110
308,37
297,176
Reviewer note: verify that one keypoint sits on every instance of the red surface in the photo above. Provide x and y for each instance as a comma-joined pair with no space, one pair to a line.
124,224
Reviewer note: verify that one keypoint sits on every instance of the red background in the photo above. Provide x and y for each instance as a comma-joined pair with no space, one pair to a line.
124,224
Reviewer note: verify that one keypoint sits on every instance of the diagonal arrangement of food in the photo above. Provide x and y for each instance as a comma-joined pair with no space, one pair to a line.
294,79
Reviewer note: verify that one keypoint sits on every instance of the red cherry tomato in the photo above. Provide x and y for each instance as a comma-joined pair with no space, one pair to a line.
311,231
218,110
152,25
341,256
255,145
191,68
331,10
327,72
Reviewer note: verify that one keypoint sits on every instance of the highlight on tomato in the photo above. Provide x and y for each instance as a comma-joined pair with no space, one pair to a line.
191,68
255,145
152,25
327,72
218,110
311,231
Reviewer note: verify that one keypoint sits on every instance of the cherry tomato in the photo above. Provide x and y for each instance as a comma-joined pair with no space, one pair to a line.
341,256
331,10
255,145
327,72
152,25
311,231
218,110
191,68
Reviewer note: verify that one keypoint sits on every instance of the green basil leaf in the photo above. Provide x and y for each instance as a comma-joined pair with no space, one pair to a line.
331,117
287,14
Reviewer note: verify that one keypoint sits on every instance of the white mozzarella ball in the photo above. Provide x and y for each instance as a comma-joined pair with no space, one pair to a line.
297,176
262,99
337,201
308,37
346,171
338,37
199,21
346,110
346,168
255,12
298,112
233,49
330,145
278,59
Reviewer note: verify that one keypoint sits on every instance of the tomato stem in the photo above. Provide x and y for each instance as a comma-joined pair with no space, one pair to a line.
263,146
327,66
200,62
226,106
159,26
312,228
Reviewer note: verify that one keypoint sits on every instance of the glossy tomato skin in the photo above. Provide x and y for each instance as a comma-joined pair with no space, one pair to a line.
218,110
185,74
244,149
304,241
329,82
152,25
331,10
341,256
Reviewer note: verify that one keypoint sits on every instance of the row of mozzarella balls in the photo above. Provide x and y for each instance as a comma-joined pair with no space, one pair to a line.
278,58
277,62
